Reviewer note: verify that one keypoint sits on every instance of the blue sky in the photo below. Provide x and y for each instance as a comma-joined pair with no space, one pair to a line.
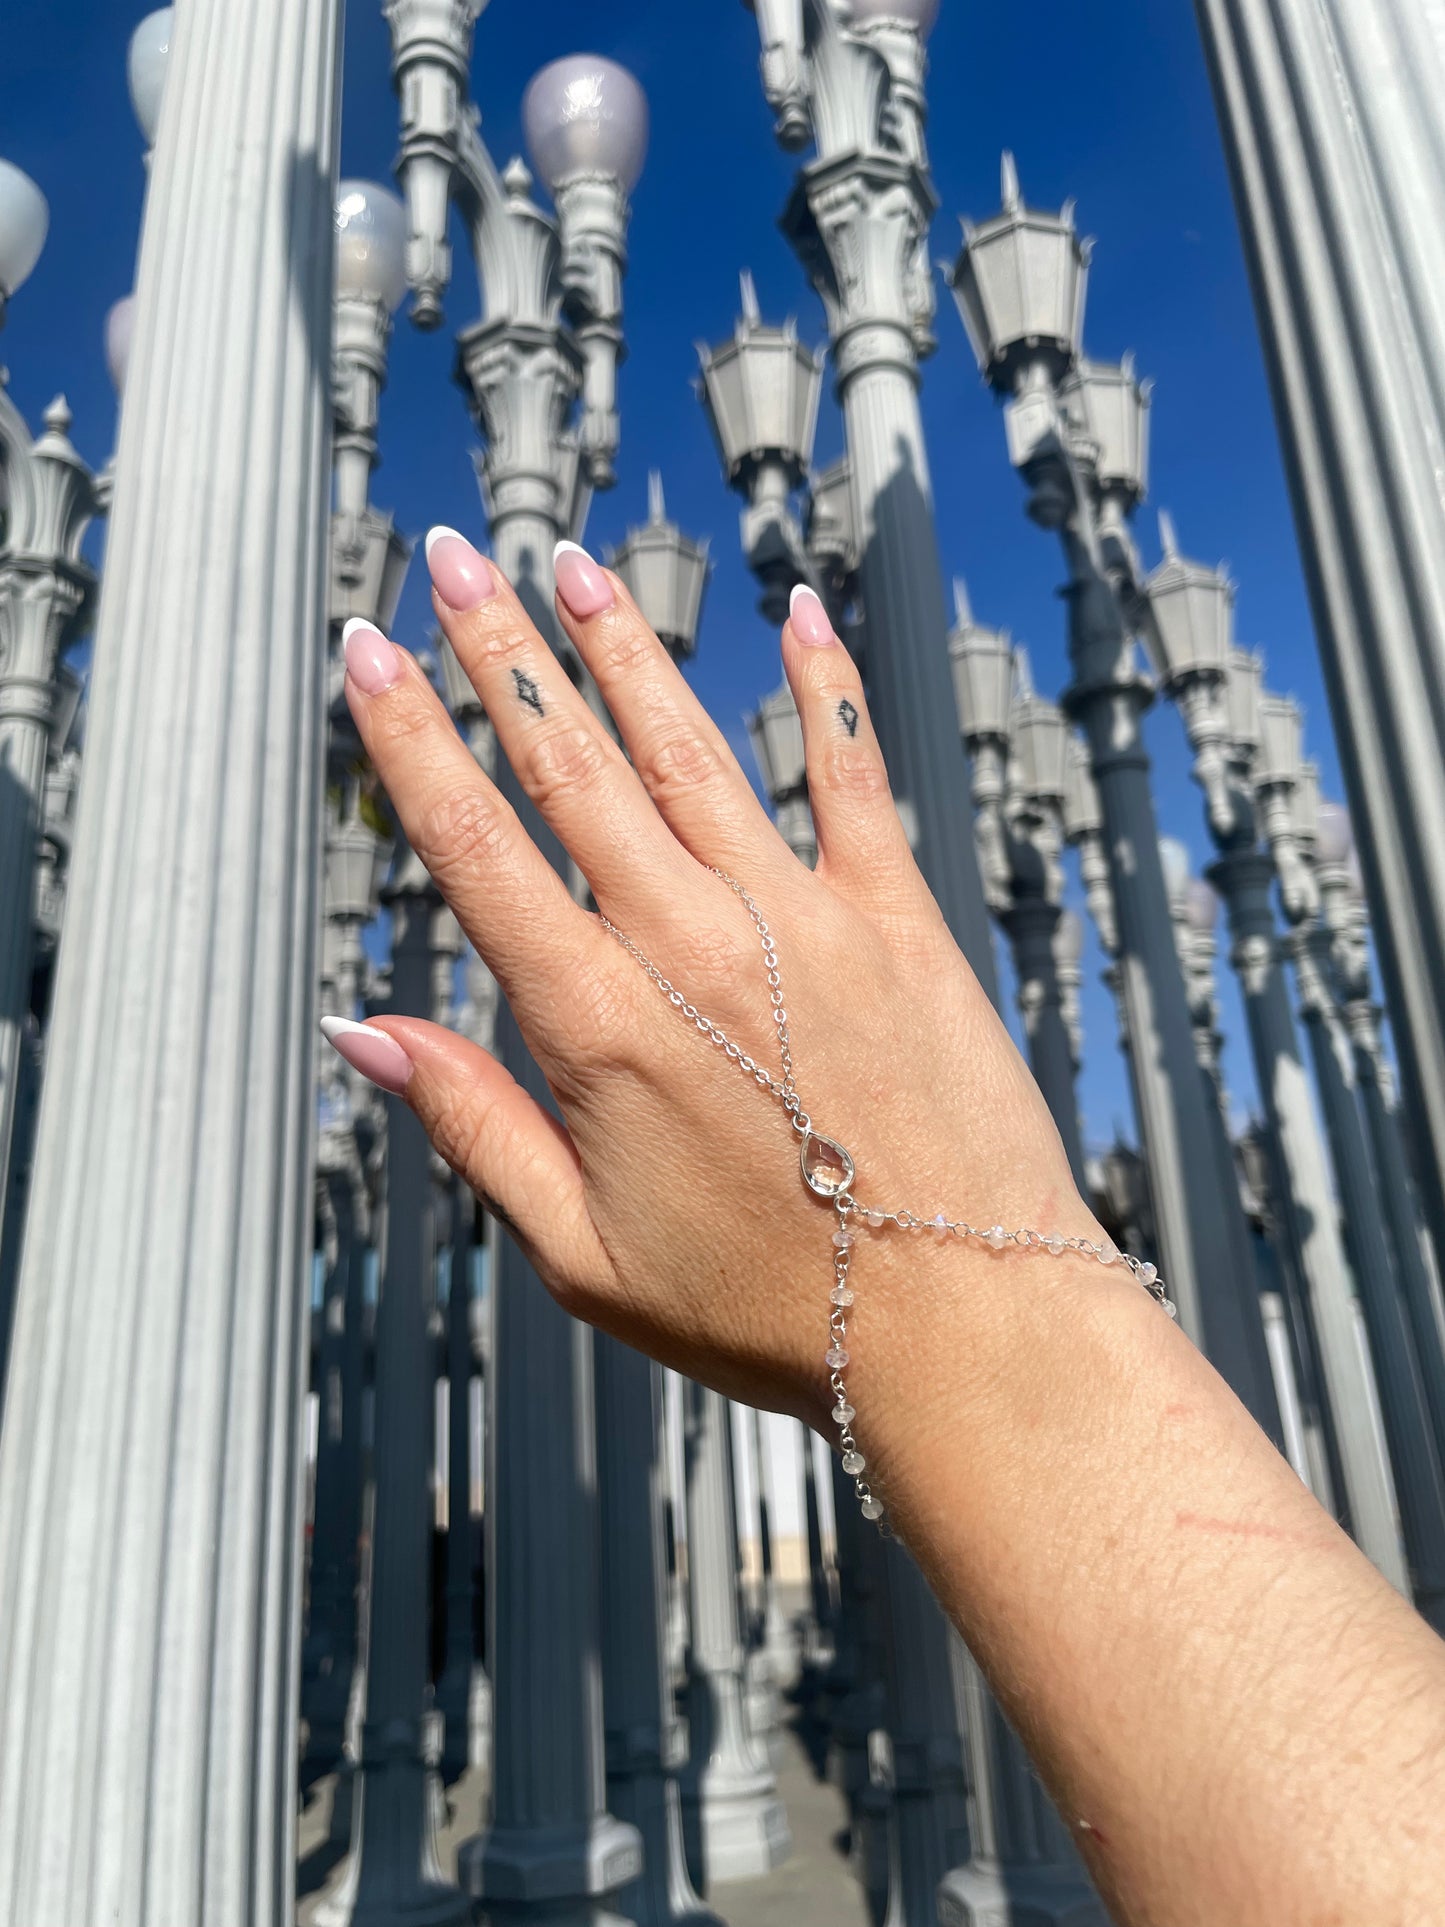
1107,104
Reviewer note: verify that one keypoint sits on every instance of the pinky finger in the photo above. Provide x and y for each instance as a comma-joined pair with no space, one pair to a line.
515,1155
861,842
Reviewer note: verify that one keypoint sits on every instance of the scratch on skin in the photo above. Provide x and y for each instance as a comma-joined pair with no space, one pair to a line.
1177,1411
848,716
527,691
1090,1832
1241,1528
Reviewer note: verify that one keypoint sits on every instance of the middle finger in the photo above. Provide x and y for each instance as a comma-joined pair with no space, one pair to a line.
563,757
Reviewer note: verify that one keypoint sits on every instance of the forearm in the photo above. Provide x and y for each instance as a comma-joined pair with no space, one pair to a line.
1239,1719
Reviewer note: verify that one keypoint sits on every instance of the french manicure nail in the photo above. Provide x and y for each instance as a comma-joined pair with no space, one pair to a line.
372,662
580,583
460,576
810,619
369,1051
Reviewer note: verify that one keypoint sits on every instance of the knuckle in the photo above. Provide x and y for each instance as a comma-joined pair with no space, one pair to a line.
851,771
678,764
627,647
565,762
459,831
485,638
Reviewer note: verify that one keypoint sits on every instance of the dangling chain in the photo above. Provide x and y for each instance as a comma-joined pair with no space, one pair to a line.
828,1172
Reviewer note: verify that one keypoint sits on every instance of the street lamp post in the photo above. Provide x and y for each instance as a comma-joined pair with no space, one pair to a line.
1215,685
47,499
1286,788
666,574
1018,746
152,1428
545,351
1330,121
1077,434
1346,918
852,76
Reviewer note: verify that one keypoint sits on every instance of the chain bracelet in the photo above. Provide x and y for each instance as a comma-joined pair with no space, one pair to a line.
828,1171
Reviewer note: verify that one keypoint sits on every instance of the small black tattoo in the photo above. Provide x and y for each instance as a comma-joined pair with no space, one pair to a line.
848,716
528,692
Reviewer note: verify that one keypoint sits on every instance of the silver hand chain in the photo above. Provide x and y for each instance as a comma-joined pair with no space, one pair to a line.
828,1171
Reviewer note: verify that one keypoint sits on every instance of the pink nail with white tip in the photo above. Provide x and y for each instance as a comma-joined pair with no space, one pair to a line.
378,1057
810,620
581,584
461,576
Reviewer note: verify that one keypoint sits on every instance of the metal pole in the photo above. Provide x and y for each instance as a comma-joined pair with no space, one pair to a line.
152,1429
1330,116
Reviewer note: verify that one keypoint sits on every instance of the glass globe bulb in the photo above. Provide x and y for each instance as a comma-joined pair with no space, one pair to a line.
1335,837
1201,907
119,334
150,52
1175,859
585,115
371,230
914,13
24,224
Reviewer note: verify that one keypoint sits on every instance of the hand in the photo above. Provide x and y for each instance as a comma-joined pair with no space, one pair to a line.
667,1205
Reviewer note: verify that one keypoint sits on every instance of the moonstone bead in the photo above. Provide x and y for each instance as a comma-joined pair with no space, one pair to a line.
844,1413
841,1295
1147,1274
835,1358
1053,1246
872,1508
844,1240
997,1237
853,1463
874,1218
940,1223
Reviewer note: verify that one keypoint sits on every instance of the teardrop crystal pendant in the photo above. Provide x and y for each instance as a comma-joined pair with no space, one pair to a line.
827,1167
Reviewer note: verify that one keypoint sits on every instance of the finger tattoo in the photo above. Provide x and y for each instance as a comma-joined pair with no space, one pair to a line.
848,716
527,691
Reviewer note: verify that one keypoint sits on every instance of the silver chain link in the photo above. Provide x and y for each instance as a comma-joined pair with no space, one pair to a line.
847,1206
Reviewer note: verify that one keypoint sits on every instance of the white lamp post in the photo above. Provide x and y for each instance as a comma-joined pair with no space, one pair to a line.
545,350
1347,920
1077,436
1283,788
1237,736
152,1432
1354,335
48,497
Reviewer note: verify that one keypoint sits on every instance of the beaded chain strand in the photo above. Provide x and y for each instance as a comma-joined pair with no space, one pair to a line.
828,1171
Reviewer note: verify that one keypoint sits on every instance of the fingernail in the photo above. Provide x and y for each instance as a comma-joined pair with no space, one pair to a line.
810,619
580,583
372,662
460,576
369,1051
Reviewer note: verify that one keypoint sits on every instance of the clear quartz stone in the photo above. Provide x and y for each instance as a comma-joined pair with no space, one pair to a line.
997,1237
853,1463
872,1508
835,1358
841,1295
1054,1245
843,1413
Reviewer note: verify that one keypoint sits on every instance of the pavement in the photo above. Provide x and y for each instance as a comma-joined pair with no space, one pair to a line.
814,1886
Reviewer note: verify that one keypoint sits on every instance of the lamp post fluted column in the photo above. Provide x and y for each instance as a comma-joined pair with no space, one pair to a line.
1286,789
1190,625
46,590
1077,435
148,1754
1330,120
739,1829
395,1873
547,347
1347,921
858,219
